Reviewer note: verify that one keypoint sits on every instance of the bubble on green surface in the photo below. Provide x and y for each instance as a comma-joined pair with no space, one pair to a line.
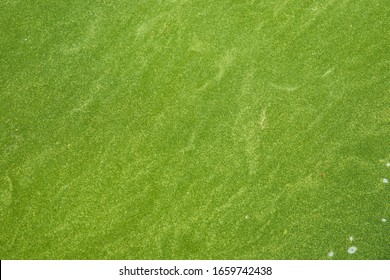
352,250
388,164
351,238
331,254
385,180
384,220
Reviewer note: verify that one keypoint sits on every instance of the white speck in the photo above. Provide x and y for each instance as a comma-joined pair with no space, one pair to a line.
385,180
352,250
330,254
246,217
351,238
388,164
384,220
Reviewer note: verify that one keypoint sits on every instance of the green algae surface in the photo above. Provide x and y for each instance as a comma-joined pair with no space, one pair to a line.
194,129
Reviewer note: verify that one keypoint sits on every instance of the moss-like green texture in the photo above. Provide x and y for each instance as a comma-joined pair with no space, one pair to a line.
194,129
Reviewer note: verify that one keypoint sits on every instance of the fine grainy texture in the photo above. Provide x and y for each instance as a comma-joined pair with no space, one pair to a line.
194,129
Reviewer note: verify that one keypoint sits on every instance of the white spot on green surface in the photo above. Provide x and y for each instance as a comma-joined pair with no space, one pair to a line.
352,250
